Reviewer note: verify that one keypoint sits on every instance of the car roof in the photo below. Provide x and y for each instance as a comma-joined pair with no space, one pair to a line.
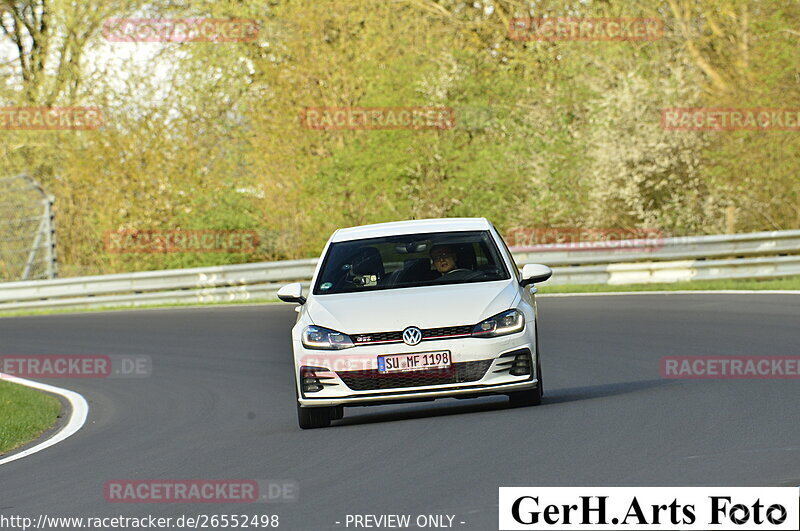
410,227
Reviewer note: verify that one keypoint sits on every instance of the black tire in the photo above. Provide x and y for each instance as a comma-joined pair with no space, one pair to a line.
539,369
337,413
530,397
310,418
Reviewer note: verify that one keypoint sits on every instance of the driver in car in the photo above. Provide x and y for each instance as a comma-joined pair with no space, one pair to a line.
444,258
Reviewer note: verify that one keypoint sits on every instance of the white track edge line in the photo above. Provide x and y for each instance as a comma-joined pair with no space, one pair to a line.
77,417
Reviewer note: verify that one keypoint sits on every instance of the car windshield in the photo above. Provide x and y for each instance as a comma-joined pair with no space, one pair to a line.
410,260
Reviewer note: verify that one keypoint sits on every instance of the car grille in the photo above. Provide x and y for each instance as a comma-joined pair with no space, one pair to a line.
430,333
361,339
427,334
468,371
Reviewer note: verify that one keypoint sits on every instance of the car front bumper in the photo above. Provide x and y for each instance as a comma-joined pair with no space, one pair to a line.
421,394
493,352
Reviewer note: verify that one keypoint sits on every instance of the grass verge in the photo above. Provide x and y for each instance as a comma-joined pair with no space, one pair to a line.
19,313
26,414
784,284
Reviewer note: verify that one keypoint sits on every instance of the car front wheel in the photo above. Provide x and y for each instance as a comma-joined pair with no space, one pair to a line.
530,397
313,417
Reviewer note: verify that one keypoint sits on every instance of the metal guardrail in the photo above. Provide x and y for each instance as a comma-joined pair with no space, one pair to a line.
678,271
680,248
256,281
205,284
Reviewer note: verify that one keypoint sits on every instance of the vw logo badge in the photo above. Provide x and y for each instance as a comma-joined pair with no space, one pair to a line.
412,335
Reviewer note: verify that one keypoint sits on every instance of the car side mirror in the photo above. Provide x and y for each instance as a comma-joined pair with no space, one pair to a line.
292,293
535,273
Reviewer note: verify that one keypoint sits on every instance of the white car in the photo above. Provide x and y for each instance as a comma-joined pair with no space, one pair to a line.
412,311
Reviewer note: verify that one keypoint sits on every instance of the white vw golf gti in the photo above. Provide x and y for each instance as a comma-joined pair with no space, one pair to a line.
412,311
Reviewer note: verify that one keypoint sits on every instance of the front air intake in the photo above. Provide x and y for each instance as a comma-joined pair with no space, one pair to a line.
311,382
516,362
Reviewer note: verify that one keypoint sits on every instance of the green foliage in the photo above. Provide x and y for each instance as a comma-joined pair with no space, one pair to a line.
563,133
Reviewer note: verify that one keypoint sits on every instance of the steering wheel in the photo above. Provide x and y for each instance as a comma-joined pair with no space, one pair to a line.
458,270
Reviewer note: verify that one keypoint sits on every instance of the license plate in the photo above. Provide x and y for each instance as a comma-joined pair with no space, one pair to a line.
414,362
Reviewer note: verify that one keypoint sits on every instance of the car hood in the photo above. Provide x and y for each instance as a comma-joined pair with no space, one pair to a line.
424,307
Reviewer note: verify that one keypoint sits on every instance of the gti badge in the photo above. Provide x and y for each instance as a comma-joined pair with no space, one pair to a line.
412,335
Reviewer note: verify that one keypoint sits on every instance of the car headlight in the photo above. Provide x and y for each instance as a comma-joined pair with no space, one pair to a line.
320,338
508,322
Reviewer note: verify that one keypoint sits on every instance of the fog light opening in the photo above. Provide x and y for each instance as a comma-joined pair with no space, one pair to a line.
309,380
522,364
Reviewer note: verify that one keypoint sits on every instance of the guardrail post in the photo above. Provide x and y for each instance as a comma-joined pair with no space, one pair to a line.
730,219
51,254
37,240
